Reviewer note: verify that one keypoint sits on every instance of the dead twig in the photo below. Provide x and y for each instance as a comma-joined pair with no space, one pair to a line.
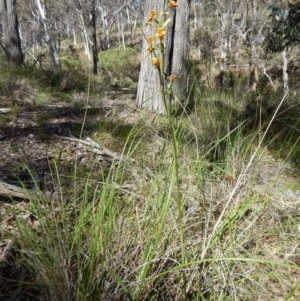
97,148
14,191
7,253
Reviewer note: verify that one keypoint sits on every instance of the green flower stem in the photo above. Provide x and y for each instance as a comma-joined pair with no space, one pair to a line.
166,91
166,94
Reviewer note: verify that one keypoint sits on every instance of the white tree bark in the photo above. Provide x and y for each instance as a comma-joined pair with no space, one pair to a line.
85,36
107,24
285,74
120,26
195,16
52,52
74,37
133,29
223,47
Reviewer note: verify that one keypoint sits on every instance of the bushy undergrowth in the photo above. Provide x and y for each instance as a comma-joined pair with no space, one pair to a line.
61,80
119,238
120,63
118,66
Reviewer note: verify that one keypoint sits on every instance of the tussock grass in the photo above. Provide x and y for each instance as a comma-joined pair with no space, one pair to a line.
119,237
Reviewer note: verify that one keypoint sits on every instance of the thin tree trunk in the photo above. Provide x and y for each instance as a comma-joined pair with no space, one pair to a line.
94,38
52,52
105,26
285,74
132,31
85,36
195,16
74,37
119,30
224,47
122,33
252,46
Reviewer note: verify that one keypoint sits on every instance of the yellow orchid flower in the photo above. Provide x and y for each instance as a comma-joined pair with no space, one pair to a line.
152,15
155,62
150,44
161,32
172,77
173,4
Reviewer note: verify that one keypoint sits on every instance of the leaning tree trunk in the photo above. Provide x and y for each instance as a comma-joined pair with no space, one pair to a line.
176,57
11,36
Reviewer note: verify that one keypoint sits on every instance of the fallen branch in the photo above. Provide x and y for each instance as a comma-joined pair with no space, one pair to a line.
104,150
7,254
5,110
97,148
14,191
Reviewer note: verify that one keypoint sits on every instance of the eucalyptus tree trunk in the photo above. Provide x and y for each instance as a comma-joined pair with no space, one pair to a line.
251,42
120,27
74,37
285,74
224,41
176,57
106,25
94,38
105,15
195,16
85,36
133,28
52,51
11,35
241,26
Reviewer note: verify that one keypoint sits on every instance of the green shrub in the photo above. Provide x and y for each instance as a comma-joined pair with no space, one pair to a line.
70,63
120,62
58,80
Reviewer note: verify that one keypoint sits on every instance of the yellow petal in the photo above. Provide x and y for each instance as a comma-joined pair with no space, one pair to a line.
152,14
150,40
155,62
150,49
173,4
172,77
160,33
167,22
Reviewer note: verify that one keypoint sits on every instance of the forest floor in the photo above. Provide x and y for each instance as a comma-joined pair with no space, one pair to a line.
33,135
32,138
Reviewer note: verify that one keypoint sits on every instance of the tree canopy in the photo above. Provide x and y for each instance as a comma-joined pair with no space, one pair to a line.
286,30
